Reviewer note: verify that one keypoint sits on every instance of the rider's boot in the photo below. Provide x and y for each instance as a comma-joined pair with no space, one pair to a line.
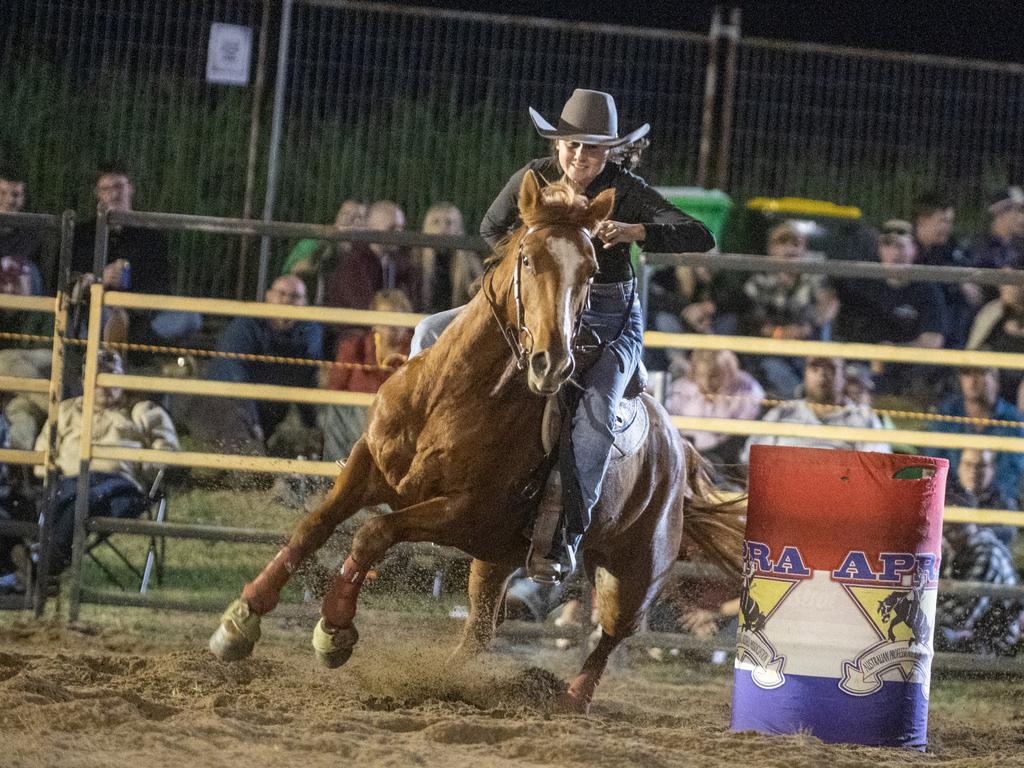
551,557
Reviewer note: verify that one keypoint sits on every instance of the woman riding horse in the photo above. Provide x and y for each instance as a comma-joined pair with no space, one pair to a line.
453,434
586,134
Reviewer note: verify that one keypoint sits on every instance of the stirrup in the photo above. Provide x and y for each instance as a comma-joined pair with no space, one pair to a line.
554,567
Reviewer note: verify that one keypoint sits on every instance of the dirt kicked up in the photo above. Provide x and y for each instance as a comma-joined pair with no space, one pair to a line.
139,688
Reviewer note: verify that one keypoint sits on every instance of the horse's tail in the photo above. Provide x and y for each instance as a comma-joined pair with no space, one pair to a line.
715,523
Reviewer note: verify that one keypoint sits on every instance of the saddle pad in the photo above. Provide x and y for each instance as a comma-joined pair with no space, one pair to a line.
631,425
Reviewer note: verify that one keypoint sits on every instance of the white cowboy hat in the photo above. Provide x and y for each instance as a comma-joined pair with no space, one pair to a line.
588,117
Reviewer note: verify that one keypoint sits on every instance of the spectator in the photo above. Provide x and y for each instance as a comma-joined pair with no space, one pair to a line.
974,486
372,267
979,399
14,505
715,387
823,403
247,426
859,390
20,247
932,216
25,411
783,305
999,327
310,259
977,624
449,276
1001,247
116,488
892,311
136,259
380,349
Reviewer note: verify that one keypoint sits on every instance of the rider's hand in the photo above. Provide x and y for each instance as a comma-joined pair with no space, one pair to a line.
615,232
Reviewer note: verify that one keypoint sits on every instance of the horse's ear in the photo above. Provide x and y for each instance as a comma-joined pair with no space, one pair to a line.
601,206
529,193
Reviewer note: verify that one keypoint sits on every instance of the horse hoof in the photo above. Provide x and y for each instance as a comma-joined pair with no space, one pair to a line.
237,634
334,648
576,699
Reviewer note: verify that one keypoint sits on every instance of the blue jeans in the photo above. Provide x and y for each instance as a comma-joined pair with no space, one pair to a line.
603,384
429,328
110,495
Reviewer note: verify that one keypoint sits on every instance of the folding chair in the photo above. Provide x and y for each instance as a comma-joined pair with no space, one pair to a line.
156,511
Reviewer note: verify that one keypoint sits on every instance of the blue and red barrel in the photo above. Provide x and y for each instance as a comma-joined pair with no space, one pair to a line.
838,606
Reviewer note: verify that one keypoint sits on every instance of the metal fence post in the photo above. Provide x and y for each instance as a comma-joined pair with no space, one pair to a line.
707,124
732,35
56,394
85,450
275,142
254,142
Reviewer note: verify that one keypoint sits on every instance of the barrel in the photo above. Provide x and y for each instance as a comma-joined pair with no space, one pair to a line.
841,566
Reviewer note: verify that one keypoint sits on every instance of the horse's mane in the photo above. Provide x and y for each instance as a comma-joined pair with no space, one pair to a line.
560,203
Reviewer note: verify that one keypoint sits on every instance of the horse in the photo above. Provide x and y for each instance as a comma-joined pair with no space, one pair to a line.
453,434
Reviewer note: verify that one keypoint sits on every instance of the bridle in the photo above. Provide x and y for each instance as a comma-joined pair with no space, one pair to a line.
514,334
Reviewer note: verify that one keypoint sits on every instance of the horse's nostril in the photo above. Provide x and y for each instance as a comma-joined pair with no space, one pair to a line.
540,364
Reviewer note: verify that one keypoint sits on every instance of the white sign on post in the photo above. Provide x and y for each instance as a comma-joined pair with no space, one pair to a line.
227,58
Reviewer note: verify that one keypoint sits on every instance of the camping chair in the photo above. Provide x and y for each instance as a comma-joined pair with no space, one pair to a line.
156,511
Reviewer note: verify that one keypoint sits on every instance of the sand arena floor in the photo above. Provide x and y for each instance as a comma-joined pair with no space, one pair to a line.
134,688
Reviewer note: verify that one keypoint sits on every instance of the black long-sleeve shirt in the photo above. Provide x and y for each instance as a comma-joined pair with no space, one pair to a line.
669,230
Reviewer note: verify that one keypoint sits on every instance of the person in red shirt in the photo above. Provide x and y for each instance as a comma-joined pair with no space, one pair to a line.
380,349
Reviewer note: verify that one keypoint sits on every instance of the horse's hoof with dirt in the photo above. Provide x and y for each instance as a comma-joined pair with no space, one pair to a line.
237,634
334,648
578,695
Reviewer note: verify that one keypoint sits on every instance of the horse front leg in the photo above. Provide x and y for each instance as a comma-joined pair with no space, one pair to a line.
487,582
621,604
435,520
239,628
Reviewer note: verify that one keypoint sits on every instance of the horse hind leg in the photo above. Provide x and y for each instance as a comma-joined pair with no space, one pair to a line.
239,628
335,635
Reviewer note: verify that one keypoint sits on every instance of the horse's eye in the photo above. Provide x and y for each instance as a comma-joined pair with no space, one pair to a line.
526,261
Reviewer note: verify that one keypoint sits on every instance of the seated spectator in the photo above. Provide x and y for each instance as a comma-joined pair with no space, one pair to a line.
450,277
859,390
19,246
681,300
137,260
932,216
715,387
246,426
311,259
823,403
892,311
116,488
380,349
1001,246
977,624
999,327
371,267
10,509
979,399
31,359
974,486
784,305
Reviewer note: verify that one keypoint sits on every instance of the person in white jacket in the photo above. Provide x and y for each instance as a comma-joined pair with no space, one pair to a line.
116,488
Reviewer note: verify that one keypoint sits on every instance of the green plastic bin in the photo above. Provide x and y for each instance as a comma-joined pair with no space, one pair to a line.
709,206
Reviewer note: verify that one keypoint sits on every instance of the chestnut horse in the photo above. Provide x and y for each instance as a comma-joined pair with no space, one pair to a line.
455,432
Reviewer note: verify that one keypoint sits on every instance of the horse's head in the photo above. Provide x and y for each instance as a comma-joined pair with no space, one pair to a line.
554,263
